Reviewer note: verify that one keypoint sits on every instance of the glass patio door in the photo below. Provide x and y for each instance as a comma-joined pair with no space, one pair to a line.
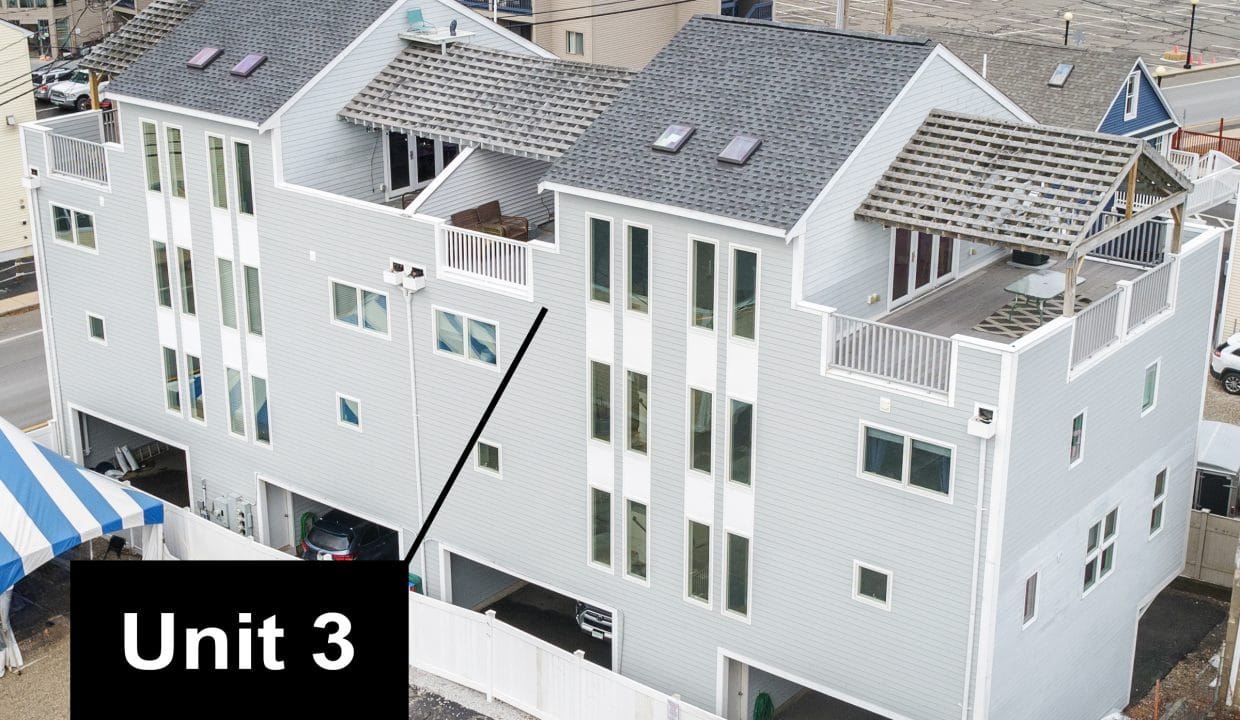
919,262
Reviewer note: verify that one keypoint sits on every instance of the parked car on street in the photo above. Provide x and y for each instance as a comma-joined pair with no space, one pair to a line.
341,536
48,75
73,93
1225,365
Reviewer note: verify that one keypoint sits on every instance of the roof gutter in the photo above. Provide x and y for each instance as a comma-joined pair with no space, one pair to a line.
179,110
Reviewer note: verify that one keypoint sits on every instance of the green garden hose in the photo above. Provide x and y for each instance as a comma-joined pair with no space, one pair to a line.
307,519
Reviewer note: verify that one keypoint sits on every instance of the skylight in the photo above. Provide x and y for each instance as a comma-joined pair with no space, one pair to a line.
1060,76
205,57
738,151
673,138
249,64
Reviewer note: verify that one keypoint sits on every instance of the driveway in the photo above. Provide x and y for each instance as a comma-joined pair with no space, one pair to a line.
1173,626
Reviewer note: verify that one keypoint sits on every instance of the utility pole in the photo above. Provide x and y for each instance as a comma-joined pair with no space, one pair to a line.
889,16
1229,642
841,14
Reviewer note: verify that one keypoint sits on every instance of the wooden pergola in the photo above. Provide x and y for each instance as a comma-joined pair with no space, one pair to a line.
1027,187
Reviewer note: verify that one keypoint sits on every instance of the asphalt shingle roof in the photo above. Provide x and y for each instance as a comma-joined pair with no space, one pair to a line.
1021,70
511,103
299,38
138,35
808,92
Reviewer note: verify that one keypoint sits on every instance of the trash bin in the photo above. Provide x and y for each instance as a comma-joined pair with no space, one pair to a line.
415,584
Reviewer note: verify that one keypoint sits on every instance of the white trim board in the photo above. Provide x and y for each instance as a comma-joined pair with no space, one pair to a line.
180,110
661,208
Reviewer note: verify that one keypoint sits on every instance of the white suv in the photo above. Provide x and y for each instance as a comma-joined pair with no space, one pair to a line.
1225,365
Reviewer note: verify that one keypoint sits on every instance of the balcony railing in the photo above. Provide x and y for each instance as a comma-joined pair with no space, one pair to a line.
892,353
1151,294
489,261
1109,320
1096,327
1143,245
511,7
78,158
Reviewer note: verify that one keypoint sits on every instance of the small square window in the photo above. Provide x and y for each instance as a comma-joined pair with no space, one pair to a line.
873,586
348,412
95,326
488,457
574,43
1112,520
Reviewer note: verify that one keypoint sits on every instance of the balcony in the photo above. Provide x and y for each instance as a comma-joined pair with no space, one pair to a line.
487,261
502,7
76,145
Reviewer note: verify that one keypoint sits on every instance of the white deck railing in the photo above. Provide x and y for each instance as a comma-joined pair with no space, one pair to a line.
1144,200
487,260
892,353
77,158
1214,189
1110,320
1145,244
1150,295
1184,161
1096,327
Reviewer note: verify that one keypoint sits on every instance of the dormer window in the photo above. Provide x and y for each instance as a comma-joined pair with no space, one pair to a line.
1132,92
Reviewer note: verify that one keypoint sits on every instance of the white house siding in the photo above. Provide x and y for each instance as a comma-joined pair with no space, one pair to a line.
1075,660
321,151
14,233
847,261
485,176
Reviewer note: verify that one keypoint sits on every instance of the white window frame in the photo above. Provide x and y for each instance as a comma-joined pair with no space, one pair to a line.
1095,556
165,127
906,463
1160,500
103,325
723,594
181,410
499,455
262,311
339,419
464,356
753,441
245,425
1080,455
714,426
625,542
856,585
1027,620
235,206
253,414
611,260
1157,367
568,44
360,325
611,420
159,156
626,227
189,389
610,569
1132,91
714,291
757,293
708,603
73,213
628,409
231,290
229,200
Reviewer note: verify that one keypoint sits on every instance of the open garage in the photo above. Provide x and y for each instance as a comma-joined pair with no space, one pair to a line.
749,688
290,519
148,464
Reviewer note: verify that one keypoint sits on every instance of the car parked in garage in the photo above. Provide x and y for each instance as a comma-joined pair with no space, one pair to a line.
1225,364
341,536
593,620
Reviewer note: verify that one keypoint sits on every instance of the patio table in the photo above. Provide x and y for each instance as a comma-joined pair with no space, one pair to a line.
1038,287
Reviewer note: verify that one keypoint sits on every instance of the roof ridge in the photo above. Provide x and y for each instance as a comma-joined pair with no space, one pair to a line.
820,30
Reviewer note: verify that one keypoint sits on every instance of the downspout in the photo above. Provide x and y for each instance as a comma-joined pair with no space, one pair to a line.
417,443
977,560
45,317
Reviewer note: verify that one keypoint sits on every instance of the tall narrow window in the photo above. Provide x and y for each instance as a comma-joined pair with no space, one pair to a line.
1031,598
701,425
163,281
245,182
600,260
637,539
704,284
228,296
236,406
574,43
698,583
1149,392
262,419
186,262
219,181
150,147
172,380
738,574
1078,438
1132,93
176,163
744,294
740,442
637,411
600,526
639,269
254,302
600,401
193,375
1160,499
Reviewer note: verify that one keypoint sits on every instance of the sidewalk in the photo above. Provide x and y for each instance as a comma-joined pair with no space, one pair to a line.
433,698
18,303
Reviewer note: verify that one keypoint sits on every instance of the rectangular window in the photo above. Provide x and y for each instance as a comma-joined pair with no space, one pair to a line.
186,262
744,294
703,284
94,325
228,296
600,526
163,281
254,302
1031,598
1132,91
348,412
600,401
738,574
262,418
638,412
701,426
193,375
150,146
219,179
574,43
1100,549
176,162
172,380
449,332
236,406
637,537
639,269
487,457
464,336
73,227
1078,438
1149,392
600,260
359,307
740,442
698,583
871,585
481,341
245,182
1160,498
907,460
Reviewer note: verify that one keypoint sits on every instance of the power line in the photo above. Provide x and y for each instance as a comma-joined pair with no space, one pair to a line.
574,9
1163,20
613,12
62,61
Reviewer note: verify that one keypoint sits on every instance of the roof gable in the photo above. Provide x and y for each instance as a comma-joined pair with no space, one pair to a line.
1151,111
728,77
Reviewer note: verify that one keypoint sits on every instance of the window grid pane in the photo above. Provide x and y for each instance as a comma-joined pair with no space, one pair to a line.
449,333
740,439
744,294
1031,597
482,342
1078,433
236,406
84,229
738,574
930,467
636,540
374,311
600,260
488,457
253,301
62,222
1156,516
884,454
1151,384
349,412
703,284
872,584
600,526
639,269
262,418
172,381
701,409
699,561
637,412
188,305
176,163
228,297
194,376
245,186
600,401
163,280
96,327
150,146
219,182
344,303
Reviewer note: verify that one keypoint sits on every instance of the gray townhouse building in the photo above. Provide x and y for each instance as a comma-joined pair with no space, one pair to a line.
796,423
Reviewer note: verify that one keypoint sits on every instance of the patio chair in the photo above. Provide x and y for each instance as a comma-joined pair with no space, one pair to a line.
512,226
417,22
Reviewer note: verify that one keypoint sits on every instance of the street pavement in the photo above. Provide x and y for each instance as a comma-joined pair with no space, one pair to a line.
1205,102
25,399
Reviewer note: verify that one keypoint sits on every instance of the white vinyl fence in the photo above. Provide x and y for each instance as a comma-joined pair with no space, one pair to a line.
506,664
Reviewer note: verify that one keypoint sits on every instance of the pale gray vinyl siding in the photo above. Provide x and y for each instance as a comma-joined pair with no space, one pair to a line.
1082,648
847,261
485,176
84,126
323,152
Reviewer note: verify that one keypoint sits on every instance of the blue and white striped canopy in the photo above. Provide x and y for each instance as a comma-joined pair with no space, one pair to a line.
49,505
